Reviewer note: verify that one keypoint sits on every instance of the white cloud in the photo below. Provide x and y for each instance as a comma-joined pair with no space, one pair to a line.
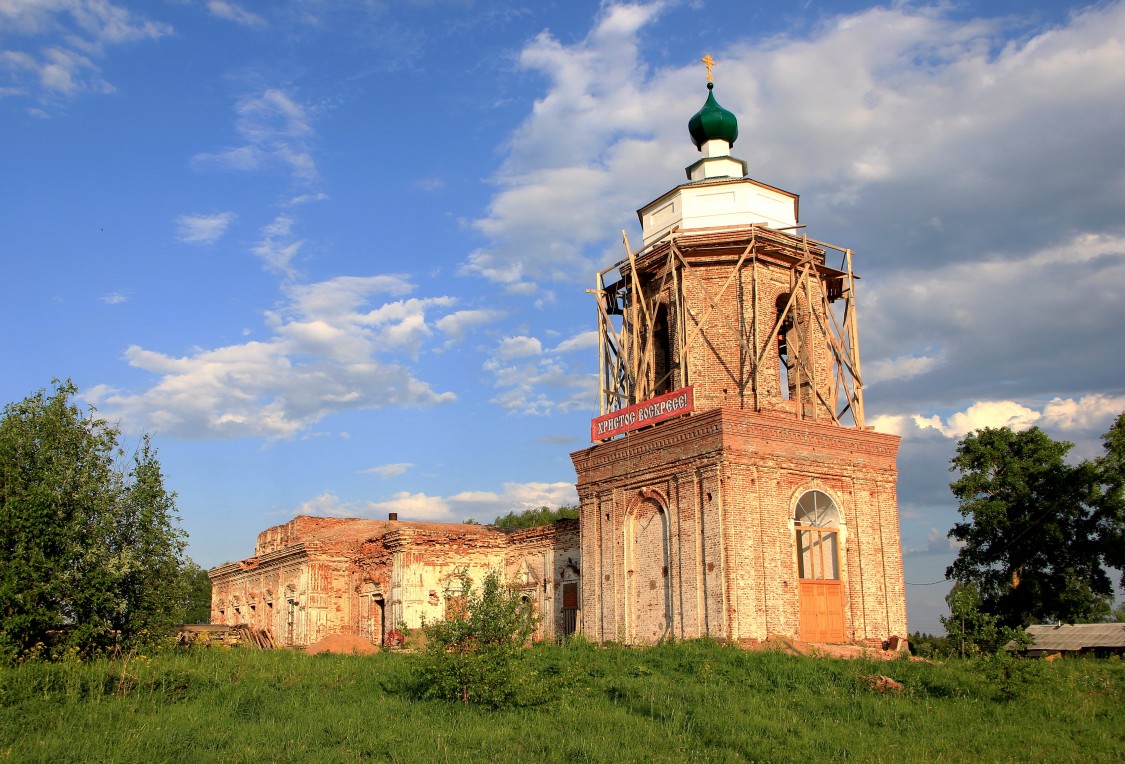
114,298
330,350
63,39
937,543
203,229
518,347
937,129
319,196
456,325
903,367
532,380
277,130
388,470
329,505
891,424
1036,324
485,506
413,506
482,506
584,342
574,165
980,415
1088,415
277,248
234,12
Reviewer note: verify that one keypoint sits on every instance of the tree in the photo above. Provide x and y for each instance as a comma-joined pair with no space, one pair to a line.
1038,532
470,656
531,518
1109,520
90,549
196,607
972,632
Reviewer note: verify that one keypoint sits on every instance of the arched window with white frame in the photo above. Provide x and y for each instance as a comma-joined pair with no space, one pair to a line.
817,522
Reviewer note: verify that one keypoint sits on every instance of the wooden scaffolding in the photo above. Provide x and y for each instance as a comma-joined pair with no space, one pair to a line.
643,314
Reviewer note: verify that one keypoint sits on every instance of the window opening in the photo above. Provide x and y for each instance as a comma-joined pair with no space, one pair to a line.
817,527
785,365
662,353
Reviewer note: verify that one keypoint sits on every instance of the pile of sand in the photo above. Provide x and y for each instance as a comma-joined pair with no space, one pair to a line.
347,644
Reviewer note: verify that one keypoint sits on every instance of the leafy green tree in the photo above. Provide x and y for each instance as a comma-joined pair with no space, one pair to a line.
970,631
531,518
472,655
1036,540
196,607
1109,520
90,550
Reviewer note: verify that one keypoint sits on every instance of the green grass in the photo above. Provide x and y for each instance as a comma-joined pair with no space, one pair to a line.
680,702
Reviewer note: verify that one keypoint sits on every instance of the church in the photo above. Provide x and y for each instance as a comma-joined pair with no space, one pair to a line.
732,489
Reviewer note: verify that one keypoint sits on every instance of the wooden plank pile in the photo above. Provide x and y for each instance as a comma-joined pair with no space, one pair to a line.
208,635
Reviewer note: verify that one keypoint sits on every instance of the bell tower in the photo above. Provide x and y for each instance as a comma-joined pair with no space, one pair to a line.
733,489
727,294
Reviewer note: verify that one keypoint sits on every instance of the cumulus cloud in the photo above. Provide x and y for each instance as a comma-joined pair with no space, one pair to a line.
203,229
1088,415
532,380
459,323
412,506
583,151
332,347
55,44
276,131
515,497
981,415
579,343
913,135
1091,412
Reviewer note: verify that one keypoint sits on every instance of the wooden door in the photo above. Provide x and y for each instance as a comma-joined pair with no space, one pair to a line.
820,590
822,611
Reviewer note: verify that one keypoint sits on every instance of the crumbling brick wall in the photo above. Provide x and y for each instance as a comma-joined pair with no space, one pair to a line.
312,576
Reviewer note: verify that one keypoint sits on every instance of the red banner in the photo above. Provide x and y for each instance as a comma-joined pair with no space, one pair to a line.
667,406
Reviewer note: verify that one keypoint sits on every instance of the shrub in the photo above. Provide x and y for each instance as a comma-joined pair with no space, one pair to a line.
473,655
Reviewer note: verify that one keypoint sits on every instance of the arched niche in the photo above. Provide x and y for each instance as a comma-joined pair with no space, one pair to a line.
648,584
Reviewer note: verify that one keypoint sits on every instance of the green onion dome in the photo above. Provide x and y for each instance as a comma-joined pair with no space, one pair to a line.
712,121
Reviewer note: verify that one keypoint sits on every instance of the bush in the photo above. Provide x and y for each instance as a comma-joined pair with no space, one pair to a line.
473,656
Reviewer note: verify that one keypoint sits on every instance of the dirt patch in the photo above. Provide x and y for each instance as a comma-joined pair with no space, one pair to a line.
345,644
818,650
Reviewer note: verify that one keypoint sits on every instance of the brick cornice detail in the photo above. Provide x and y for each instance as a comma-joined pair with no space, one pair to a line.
722,429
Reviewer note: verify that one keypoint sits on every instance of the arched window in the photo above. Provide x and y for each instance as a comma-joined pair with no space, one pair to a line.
818,533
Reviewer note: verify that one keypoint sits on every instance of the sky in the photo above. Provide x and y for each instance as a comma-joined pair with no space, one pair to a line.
334,255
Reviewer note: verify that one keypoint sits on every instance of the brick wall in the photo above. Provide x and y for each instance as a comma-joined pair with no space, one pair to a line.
313,577
727,481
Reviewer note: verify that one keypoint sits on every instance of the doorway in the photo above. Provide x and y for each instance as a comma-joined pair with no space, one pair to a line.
820,589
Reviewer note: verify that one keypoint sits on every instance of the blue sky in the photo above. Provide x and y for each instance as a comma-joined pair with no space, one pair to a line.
333,254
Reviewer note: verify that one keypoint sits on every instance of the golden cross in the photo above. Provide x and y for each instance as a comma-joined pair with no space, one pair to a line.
709,63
